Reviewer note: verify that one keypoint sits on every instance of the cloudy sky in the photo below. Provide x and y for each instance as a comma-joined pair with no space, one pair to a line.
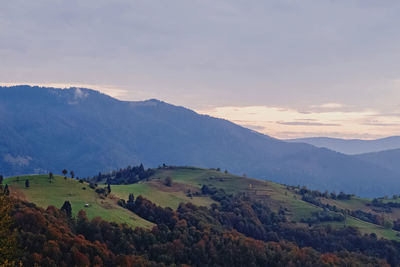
285,68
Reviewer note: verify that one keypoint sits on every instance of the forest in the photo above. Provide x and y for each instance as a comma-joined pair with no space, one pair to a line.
235,231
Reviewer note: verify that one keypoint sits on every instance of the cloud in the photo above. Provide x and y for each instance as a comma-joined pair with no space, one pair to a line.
254,127
383,124
17,160
299,123
332,105
231,53
78,93
329,106
293,135
267,58
283,122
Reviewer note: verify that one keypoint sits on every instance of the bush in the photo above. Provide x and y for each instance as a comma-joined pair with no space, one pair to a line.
168,181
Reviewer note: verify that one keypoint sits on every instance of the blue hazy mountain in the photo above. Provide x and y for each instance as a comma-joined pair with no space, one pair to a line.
48,129
388,159
351,146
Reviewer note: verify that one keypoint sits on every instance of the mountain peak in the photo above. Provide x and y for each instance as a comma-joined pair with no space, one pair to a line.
87,131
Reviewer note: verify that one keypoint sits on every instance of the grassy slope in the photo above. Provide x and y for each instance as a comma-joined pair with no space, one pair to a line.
277,196
43,194
163,196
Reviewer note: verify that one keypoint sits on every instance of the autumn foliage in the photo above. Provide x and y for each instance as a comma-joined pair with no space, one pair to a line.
50,238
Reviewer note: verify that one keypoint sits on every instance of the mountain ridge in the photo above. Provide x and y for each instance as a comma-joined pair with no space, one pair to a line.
388,159
49,129
351,146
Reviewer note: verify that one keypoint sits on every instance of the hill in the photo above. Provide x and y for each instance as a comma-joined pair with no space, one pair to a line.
262,221
44,193
186,187
388,159
48,129
276,196
351,146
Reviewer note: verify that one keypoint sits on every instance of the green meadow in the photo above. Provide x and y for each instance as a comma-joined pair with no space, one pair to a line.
186,187
44,193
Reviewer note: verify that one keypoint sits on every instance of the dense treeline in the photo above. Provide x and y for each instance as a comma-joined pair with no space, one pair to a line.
315,193
324,216
322,238
386,205
332,213
49,238
237,231
368,217
129,175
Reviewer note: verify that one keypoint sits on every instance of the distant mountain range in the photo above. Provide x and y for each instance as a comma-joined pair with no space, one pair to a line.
388,159
49,129
351,146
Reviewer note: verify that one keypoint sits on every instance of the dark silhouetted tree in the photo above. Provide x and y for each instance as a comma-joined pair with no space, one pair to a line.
6,190
65,172
168,181
141,168
109,188
131,198
131,202
1,179
72,174
66,207
27,183
51,177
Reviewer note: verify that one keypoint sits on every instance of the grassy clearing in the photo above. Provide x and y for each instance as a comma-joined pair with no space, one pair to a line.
43,193
277,196
367,228
152,191
354,203
301,210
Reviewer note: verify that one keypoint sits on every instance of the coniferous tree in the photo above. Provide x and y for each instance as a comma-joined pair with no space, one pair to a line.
131,202
168,181
65,172
141,168
27,183
131,198
6,190
1,179
72,174
109,188
66,207
51,177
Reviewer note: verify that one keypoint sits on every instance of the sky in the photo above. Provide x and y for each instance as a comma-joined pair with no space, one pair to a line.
285,68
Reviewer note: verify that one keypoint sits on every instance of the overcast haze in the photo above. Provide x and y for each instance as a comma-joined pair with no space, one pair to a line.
285,68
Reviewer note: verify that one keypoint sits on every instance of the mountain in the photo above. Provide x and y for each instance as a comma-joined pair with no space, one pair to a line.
388,159
351,146
49,129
